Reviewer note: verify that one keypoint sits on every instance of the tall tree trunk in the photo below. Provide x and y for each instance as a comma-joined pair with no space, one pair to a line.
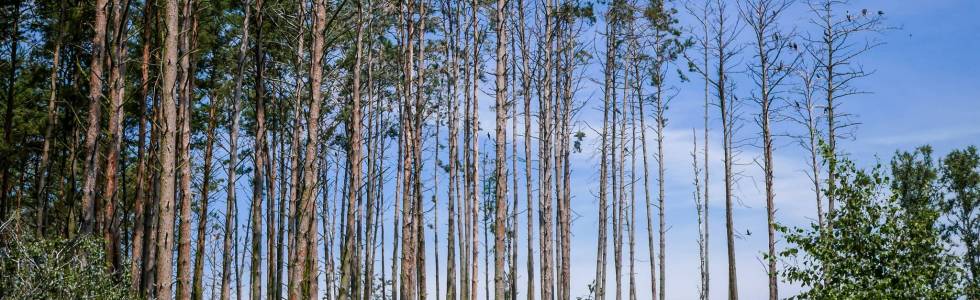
258,177
609,92
94,118
307,232
136,267
167,155
646,187
184,152
117,89
45,172
231,212
202,226
545,154
293,270
500,162
348,264
526,92
451,15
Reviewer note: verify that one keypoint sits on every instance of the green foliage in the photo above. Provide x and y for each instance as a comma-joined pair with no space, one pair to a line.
960,177
882,245
57,268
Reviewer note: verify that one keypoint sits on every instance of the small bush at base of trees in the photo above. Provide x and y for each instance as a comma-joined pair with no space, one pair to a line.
57,268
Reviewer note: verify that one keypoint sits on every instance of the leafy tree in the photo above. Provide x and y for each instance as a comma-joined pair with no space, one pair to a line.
960,177
884,245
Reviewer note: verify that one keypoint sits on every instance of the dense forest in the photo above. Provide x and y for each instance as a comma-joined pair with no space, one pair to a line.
335,149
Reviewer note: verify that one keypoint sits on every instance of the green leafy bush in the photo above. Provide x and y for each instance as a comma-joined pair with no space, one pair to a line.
57,268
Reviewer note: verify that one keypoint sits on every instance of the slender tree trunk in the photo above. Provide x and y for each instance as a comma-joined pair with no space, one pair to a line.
184,153
258,177
117,88
500,162
137,267
94,117
348,264
452,53
526,92
231,215
294,271
167,153
660,106
202,226
44,173
646,186
545,216
609,92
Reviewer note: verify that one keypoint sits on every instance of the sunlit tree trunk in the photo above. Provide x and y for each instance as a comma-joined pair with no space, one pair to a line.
167,145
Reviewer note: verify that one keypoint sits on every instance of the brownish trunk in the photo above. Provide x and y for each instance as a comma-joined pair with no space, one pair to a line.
202,226
258,177
185,114
167,155
94,118
348,264
136,267
307,233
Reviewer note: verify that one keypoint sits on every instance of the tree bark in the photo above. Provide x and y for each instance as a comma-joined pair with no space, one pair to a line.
185,113
500,170
167,154
96,70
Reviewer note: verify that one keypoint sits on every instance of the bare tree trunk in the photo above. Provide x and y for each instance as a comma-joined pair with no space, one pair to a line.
646,184
450,16
117,74
258,178
137,267
94,118
231,213
546,218
44,171
167,152
723,38
294,270
185,114
348,264
762,17
526,91
500,162
202,226
609,92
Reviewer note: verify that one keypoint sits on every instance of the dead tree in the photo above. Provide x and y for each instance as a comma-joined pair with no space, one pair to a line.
773,65
835,51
